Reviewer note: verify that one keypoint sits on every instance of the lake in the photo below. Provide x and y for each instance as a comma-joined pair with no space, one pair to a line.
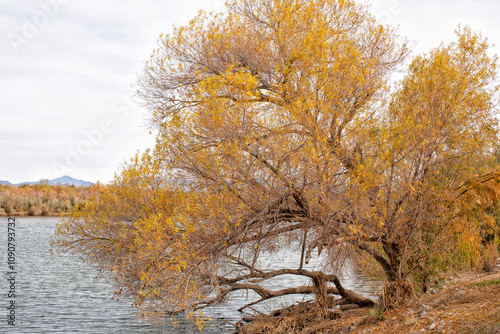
59,294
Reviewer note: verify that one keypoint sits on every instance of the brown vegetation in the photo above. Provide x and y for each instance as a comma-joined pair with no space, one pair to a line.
41,199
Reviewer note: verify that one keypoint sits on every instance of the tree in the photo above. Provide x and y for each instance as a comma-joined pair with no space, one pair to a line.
277,126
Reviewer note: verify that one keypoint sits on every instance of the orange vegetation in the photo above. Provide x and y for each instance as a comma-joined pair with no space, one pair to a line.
41,199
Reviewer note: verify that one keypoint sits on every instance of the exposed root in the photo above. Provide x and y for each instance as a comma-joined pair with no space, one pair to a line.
396,293
299,318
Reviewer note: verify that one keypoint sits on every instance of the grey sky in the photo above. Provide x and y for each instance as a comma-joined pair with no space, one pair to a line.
67,66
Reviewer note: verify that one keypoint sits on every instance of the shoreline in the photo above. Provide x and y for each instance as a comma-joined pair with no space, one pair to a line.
26,214
467,302
470,303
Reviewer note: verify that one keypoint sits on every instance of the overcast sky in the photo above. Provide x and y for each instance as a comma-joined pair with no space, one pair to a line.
67,68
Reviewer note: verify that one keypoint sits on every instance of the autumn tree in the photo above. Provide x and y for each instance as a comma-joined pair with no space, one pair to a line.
277,128
439,131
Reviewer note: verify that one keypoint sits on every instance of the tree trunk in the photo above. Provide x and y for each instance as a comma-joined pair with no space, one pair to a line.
320,292
396,292
393,251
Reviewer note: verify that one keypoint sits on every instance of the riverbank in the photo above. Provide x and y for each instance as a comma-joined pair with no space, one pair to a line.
27,214
469,305
466,303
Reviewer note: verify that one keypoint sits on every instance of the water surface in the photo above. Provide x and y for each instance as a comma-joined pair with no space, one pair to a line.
59,294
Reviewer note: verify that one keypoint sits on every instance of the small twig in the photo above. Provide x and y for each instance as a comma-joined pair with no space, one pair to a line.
257,311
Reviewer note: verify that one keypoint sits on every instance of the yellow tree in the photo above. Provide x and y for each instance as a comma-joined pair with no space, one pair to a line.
439,131
268,104
277,128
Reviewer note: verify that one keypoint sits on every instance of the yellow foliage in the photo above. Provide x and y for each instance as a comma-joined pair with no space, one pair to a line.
276,121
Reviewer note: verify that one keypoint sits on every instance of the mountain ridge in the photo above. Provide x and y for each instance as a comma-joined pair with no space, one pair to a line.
63,180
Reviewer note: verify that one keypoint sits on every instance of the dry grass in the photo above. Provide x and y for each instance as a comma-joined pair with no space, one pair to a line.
41,200
302,318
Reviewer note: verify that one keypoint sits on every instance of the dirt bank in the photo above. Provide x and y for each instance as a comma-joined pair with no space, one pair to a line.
466,303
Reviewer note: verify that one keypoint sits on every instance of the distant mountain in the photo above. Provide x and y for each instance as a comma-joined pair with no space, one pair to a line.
28,183
68,180
63,180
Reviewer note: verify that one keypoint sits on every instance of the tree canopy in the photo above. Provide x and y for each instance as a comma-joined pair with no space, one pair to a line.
278,127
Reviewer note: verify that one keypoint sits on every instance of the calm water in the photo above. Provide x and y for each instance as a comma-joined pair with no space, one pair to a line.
58,294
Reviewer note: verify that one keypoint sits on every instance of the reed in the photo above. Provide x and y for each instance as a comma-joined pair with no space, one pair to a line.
42,199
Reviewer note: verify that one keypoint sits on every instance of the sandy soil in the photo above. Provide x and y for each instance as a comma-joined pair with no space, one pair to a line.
468,303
